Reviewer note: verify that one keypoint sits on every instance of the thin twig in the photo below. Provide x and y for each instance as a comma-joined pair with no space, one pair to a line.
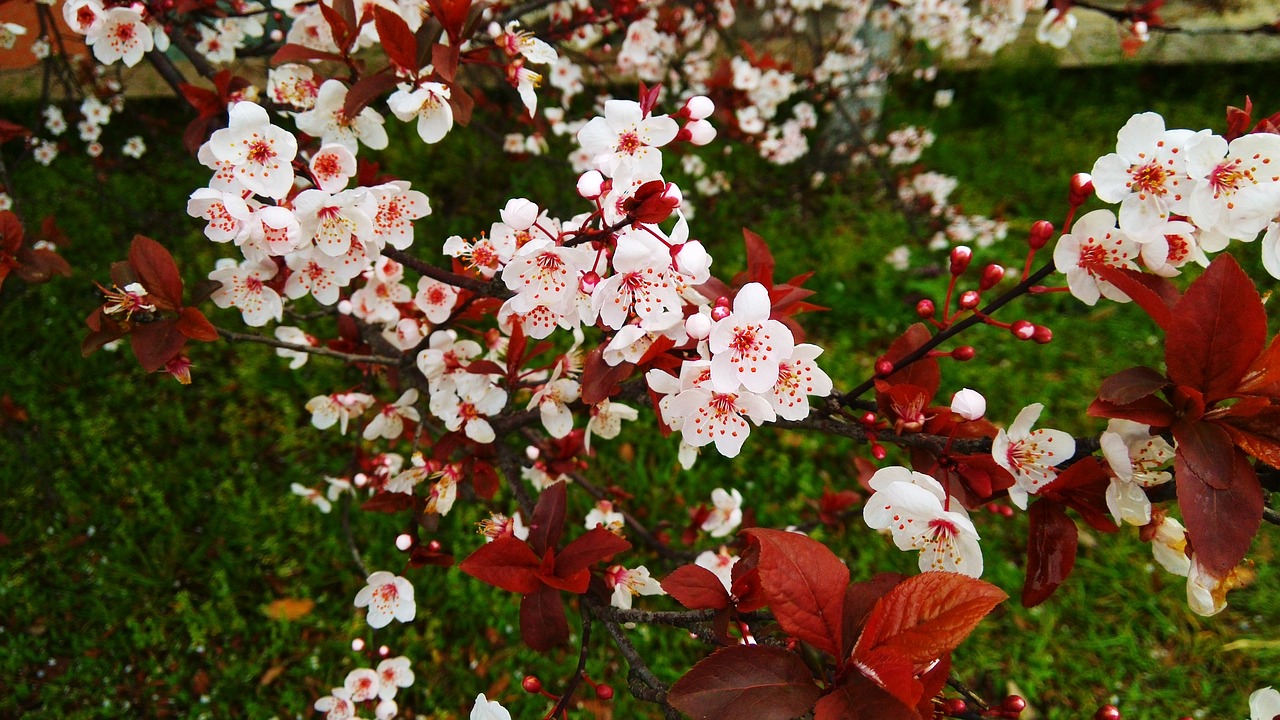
233,336
566,696
351,540
511,471
494,288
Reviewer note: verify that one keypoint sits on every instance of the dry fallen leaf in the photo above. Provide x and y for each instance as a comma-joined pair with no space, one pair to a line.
288,608
270,675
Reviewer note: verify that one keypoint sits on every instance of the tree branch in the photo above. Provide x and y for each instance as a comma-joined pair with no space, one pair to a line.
494,288
232,336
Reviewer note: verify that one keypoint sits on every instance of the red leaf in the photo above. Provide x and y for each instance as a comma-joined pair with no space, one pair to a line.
197,133
596,545
40,265
893,672
804,583
156,343
1051,551
11,130
696,588
485,480
462,104
1219,328
388,502
341,19
1258,435
860,699
746,681
1263,377
366,90
542,622
760,263
1152,293
156,271
196,326
206,102
444,58
506,563
485,367
1238,120
1221,523
398,41
300,53
1149,410
548,519
600,380
10,232
1083,487
1204,450
859,600
451,14
1132,385
927,616
925,372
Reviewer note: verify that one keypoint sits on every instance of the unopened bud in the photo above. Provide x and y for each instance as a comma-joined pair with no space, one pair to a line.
360,479
697,326
969,404
604,692
991,276
1042,335
1081,188
699,107
720,312
884,368
1041,231
277,35
1022,329
671,195
1013,704
878,452
960,257
403,542
1107,712
531,684
587,283
868,419
357,644
925,308
964,353
700,132
970,299
591,185
434,546
384,651
954,707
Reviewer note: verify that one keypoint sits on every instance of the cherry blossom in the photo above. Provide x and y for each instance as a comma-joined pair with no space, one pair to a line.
552,401
387,596
1237,186
244,287
626,584
720,563
435,299
429,103
389,423
642,282
1031,455
297,336
294,85
603,515
544,274
1135,457
259,155
318,274
386,709
624,143
1264,704
1094,241
363,684
1147,174
1056,27
969,404
119,34
332,222
225,213
469,413
339,408
443,492
328,122
398,207
486,709
337,705
498,525
746,346
920,516
606,420
712,416
1169,544
798,378
726,513
311,495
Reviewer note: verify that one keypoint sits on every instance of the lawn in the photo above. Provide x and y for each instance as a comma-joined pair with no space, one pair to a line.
146,527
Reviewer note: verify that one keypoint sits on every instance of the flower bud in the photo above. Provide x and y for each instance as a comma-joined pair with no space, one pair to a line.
1107,712
531,684
720,312
969,404
925,309
277,35
699,107
954,707
1041,231
591,185
1022,329
964,353
970,299
698,326
604,692
991,276
386,709
360,479
672,196
1042,335
357,644
868,419
519,213
384,651
692,259
1081,188
960,257
434,546
1013,704
403,542
878,452
700,132
884,368
588,281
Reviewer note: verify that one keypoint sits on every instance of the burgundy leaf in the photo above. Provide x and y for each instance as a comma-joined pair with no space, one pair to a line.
193,324
388,502
1051,551
156,343
156,271
506,563
893,672
857,698
542,622
760,262
1258,435
398,41
923,373
1154,294
601,380
1263,377
804,583
1149,410
548,518
596,545
696,588
1131,385
746,681
1219,328
1221,522
927,616
292,52
366,90
444,58
1204,450
859,600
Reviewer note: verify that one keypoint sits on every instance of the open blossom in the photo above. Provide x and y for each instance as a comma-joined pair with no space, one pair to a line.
1031,455
746,346
1147,174
486,709
362,683
339,408
259,154
708,416
333,222
798,378
332,166
917,512
552,401
389,423
311,495
1264,704
726,515
387,596
603,515
1094,241
435,299
398,207
1207,593
720,564
1169,544
120,34
393,674
328,122
1135,457
1237,186
337,705
624,143
244,287
1055,28
429,103
470,413
626,584
606,420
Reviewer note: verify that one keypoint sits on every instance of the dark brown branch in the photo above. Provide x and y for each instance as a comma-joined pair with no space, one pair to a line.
566,695
233,336
179,40
511,472
493,288
172,76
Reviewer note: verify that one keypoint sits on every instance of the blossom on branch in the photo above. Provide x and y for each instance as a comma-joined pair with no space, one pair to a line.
388,597
916,510
1031,456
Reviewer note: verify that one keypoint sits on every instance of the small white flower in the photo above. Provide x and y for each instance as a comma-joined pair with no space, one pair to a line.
1031,455
486,709
727,514
387,596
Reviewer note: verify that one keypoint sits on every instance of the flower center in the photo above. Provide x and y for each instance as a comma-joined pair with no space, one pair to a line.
628,143
260,152
1150,178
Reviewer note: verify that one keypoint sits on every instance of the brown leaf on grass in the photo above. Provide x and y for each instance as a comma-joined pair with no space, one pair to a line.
288,608
270,675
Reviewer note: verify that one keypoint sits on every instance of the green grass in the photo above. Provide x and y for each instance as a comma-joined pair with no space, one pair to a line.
146,524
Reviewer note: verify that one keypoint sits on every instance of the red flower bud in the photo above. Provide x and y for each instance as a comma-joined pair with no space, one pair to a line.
587,283
1013,704
604,692
878,452
1022,329
1107,712
531,684
925,308
868,419
1081,188
954,707
964,353
884,368
720,312
960,257
969,299
991,276
1042,335
1041,231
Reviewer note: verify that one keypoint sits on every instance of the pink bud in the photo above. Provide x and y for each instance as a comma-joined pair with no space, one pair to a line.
720,312
878,452
969,404
277,35
925,309
692,259
970,299
960,257
698,326
590,185
884,368
403,542
991,276
868,419
344,307
1107,712
1022,329
531,684
699,107
360,479
532,452
1042,335
700,132
587,283
357,644
964,353
1081,188
1041,231
384,651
